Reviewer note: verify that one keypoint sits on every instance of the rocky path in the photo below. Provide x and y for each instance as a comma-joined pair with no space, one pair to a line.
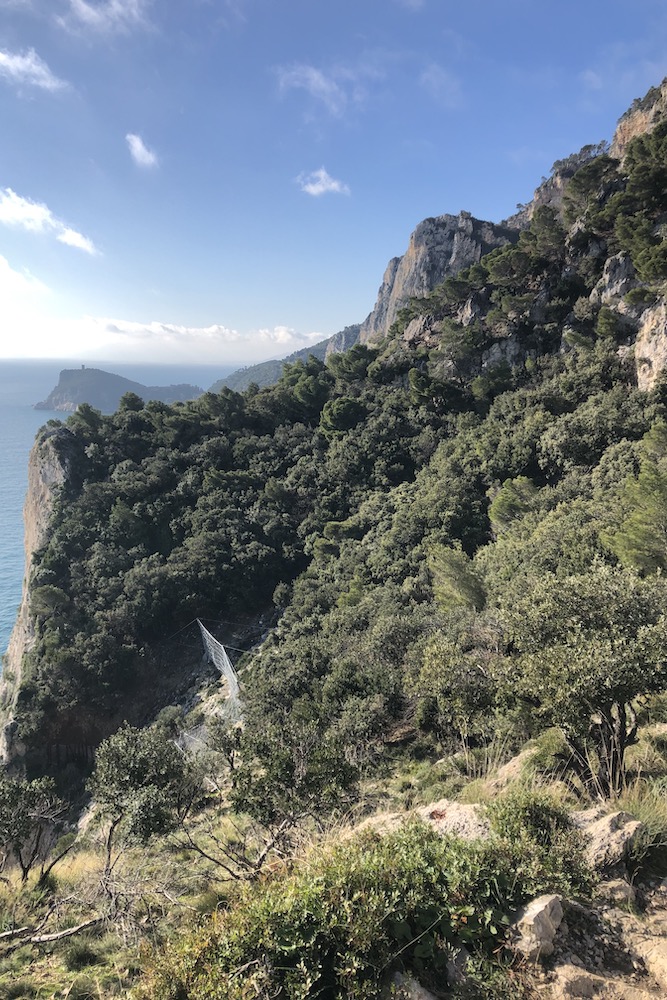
616,948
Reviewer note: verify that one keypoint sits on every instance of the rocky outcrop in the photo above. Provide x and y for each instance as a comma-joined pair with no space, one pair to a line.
609,836
570,981
532,933
407,988
343,340
550,192
618,278
48,468
438,247
641,117
445,816
651,345
548,195
616,947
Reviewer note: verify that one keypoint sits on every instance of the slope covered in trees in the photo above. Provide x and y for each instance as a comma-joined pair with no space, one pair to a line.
396,504
459,536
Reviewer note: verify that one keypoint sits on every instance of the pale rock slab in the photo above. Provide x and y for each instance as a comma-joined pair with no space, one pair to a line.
652,949
438,247
533,932
445,816
651,345
610,836
617,892
618,278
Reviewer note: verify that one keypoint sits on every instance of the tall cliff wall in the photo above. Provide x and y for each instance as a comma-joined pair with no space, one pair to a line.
48,468
438,247
641,117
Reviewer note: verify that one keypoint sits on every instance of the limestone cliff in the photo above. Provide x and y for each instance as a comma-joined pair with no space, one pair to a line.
343,340
48,469
438,247
643,115
651,345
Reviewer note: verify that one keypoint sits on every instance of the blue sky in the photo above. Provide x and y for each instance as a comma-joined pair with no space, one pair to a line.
222,181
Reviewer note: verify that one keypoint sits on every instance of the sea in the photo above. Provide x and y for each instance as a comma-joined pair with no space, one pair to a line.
22,384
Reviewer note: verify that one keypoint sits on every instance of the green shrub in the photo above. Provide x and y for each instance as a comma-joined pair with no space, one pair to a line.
342,921
548,847
640,296
551,753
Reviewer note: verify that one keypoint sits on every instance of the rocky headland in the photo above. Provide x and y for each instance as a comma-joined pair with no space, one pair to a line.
103,391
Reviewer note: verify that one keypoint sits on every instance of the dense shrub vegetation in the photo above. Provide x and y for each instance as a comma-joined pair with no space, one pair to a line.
341,924
461,542
437,526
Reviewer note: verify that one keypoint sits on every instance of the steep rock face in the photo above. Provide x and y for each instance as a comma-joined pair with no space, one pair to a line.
651,345
48,468
640,118
343,340
548,195
438,247
618,278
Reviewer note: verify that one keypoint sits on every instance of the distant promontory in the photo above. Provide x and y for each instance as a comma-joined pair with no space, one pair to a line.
103,390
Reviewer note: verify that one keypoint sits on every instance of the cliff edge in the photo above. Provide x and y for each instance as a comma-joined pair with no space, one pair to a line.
48,468
438,247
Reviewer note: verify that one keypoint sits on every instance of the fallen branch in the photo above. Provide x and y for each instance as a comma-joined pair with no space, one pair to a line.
17,932
68,932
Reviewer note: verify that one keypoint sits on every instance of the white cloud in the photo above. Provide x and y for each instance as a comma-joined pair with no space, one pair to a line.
106,16
17,283
23,299
27,68
140,153
443,86
44,325
35,217
22,212
319,182
165,333
71,238
173,343
411,4
320,86
286,336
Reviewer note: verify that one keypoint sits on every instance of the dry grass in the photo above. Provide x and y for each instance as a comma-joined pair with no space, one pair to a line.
647,800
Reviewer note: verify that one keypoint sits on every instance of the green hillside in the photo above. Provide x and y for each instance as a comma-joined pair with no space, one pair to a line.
267,372
453,545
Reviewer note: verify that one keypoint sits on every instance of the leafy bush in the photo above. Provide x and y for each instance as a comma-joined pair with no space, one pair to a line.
549,848
340,923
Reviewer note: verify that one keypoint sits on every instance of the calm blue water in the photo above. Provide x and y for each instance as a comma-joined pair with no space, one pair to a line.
23,383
